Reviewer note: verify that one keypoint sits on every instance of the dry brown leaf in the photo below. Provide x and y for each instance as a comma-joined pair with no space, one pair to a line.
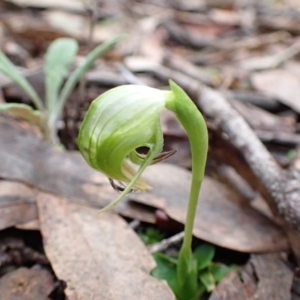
260,119
292,67
170,125
76,26
31,225
274,275
222,218
26,284
280,84
265,276
272,61
30,32
230,288
227,17
72,24
71,5
98,255
17,204
149,38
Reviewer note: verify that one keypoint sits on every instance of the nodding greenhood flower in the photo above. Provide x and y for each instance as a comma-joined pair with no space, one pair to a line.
128,117
119,122
116,124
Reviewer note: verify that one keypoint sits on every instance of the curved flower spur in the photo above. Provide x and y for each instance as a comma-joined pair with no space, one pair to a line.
126,118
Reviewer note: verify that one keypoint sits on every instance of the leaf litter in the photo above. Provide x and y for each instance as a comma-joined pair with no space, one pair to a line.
213,43
81,244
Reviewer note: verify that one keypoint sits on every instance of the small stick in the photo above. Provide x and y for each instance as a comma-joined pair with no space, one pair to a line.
164,244
134,224
94,15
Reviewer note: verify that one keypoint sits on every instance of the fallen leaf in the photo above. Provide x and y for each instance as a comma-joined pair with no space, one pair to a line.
30,225
281,84
17,204
26,284
229,288
272,61
101,248
227,17
274,276
71,5
31,33
265,276
170,125
260,119
222,218
72,24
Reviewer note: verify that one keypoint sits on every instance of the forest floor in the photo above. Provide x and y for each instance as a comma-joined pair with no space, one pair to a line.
239,61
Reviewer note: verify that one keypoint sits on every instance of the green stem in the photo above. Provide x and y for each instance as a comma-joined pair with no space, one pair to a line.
194,124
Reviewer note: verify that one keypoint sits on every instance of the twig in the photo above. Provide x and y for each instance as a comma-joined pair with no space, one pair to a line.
105,78
280,188
276,183
176,62
248,13
134,224
258,41
129,76
92,24
164,244
260,119
278,137
215,106
255,98
272,61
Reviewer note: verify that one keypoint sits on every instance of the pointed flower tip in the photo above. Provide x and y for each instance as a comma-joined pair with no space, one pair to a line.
129,172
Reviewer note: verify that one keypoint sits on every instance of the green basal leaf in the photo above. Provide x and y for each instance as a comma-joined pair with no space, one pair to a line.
24,112
200,290
76,75
207,279
171,260
8,69
151,236
219,271
58,59
204,255
166,270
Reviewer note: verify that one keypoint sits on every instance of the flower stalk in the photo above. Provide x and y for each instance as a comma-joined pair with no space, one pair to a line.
126,118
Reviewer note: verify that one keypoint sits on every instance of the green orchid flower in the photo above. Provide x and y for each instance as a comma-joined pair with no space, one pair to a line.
126,118
116,124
